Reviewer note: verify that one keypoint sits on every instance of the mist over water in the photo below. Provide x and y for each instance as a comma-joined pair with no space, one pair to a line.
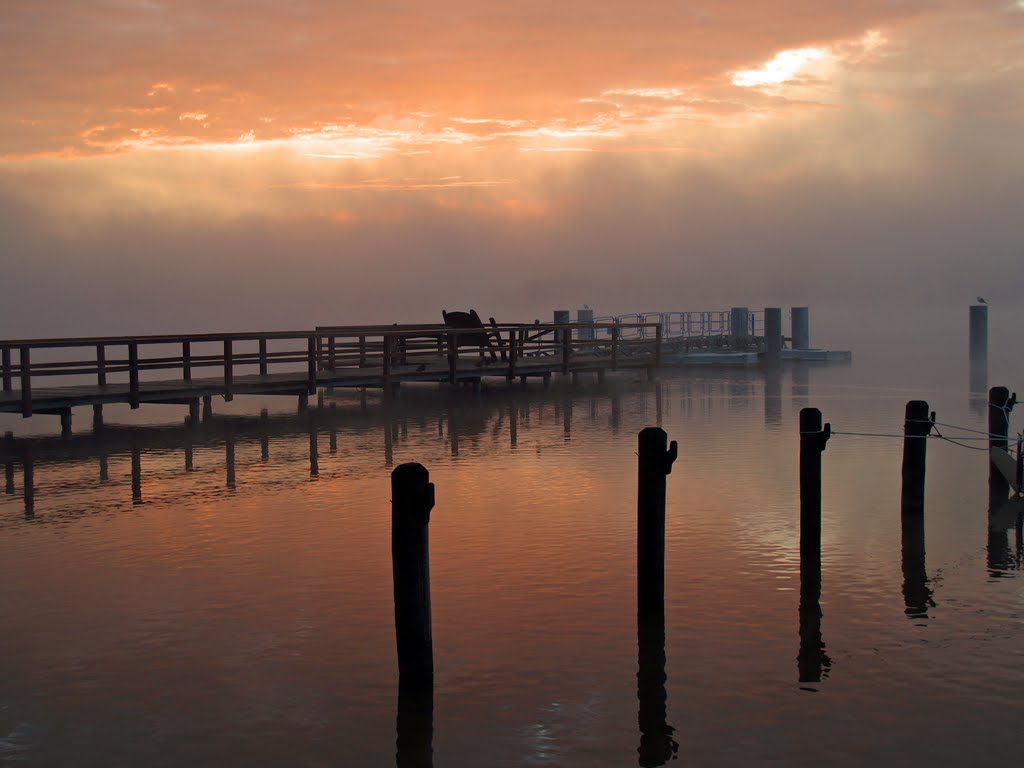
239,608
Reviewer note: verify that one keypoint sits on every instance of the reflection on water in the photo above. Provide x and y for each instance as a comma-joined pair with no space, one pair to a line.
218,592
415,728
813,663
917,593
657,745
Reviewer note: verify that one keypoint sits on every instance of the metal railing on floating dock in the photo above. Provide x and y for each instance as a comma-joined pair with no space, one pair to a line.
134,369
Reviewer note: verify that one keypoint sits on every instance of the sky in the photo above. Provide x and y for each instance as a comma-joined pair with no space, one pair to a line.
184,166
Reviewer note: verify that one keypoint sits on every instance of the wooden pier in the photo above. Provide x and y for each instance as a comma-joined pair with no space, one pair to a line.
55,375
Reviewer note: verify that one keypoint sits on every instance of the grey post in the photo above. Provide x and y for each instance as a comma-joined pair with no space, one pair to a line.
739,323
800,328
979,347
412,498
772,336
916,427
656,457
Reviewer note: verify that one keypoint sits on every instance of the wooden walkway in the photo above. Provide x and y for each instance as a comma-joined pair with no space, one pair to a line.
55,375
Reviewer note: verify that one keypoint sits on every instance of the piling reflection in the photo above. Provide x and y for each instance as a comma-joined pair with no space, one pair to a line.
918,596
801,373
1000,559
813,663
657,746
773,397
229,458
136,474
415,728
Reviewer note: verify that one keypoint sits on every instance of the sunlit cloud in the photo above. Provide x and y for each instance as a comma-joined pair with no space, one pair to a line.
784,66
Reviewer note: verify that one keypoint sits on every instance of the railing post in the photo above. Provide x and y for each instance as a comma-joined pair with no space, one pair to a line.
812,443
6,364
386,369
412,498
566,349
330,354
25,360
655,461
229,370
362,351
263,357
101,365
615,346
917,425
133,374
658,334
453,357
311,373
186,360
512,354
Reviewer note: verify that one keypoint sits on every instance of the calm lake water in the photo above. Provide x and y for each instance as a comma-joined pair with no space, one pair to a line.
240,611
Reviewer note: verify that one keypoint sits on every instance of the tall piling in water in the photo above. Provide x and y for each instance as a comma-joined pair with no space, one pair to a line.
979,347
916,427
739,324
772,336
800,327
655,461
412,498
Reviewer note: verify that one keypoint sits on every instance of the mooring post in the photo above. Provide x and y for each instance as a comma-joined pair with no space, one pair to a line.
412,498
656,456
978,347
800,327
917,425
812,442
1000,403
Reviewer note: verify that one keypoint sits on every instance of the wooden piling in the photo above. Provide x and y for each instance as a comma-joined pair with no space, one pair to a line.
812,442
263,356
193,411
917,425
65,422
412,498
97,417
655,458
207,407
1000,403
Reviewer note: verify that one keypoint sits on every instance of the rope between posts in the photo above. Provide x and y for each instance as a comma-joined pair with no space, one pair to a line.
937,436
957,426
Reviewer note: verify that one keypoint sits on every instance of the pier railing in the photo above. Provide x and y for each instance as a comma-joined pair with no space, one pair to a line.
709,324
51,375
